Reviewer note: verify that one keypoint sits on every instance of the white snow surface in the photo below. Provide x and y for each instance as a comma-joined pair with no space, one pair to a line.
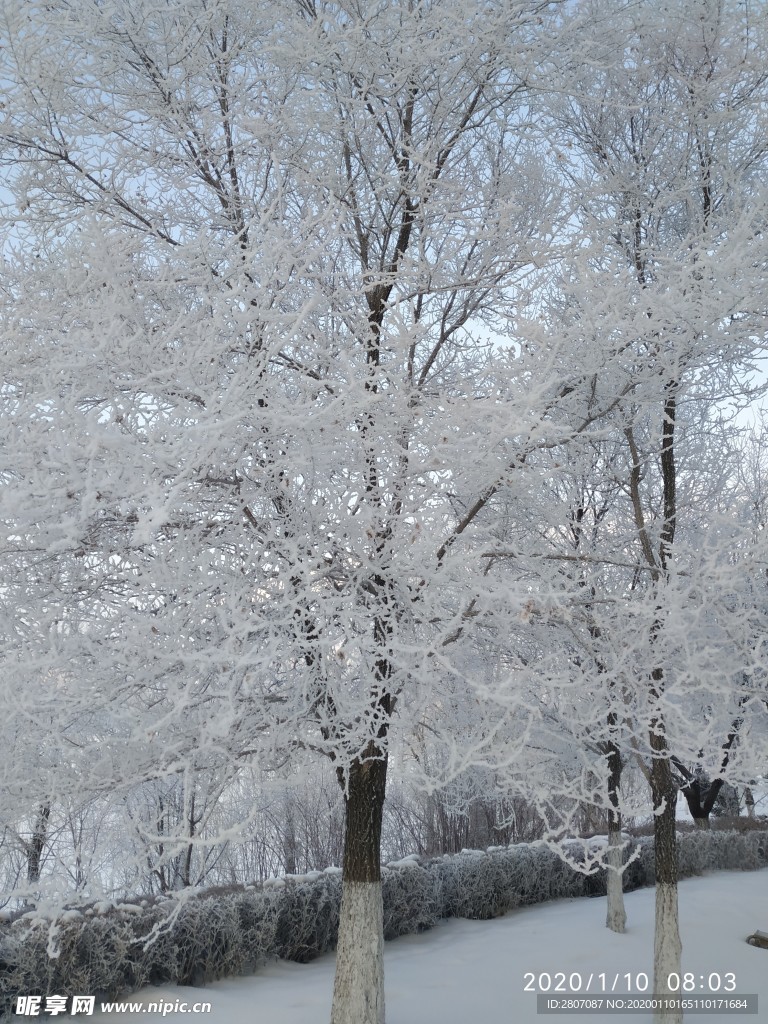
474,970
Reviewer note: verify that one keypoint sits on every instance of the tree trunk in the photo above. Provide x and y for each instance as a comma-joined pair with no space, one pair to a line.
36,845
289,844
749,802
667,948
358,989
616,915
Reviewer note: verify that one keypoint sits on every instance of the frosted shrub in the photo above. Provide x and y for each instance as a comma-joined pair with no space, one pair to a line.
710,850
758,843
645,861
212,936
694,853
309,917
206,941
636,873
748,849
530,866
539,874
733,851
96,955
478,885
257,916
413,898
562,880
730,851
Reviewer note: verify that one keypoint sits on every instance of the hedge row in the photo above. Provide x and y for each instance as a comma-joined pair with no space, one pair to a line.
103,950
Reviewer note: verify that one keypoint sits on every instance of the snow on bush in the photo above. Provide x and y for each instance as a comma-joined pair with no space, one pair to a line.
309,917
477,885
413,897
198,937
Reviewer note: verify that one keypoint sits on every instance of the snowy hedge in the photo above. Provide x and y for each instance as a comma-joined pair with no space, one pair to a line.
103,950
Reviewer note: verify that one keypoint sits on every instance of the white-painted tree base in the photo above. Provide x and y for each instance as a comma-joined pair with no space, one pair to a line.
667,949
616,915
358,988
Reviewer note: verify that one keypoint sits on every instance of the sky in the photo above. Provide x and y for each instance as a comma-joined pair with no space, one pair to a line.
474,972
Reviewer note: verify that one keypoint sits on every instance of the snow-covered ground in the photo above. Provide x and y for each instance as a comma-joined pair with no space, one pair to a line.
474,972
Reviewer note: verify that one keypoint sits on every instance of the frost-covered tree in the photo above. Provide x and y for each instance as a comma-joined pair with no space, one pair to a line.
255,256
666,153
